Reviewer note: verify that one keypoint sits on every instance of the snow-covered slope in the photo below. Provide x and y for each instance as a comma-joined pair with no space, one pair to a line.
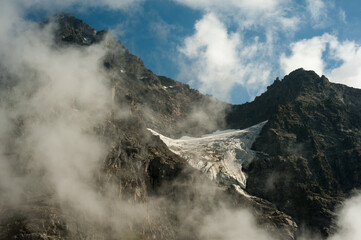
219,155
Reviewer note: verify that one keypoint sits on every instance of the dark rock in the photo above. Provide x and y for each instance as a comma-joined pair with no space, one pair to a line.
310,147
72,30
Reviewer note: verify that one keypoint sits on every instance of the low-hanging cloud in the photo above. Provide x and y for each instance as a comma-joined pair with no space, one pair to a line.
232,225
349,220
57,96
51,100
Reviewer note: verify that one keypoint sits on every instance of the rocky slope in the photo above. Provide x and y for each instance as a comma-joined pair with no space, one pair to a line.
309,150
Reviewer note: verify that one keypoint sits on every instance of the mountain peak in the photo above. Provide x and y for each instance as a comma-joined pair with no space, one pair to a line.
305,76
73,30
300,82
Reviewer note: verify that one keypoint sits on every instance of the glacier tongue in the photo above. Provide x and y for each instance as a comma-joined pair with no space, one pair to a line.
219,155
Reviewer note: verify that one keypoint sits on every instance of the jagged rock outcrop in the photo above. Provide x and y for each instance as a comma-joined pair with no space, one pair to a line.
309,150
71,30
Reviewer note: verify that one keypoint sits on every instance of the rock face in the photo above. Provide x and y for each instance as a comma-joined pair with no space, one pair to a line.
72,30
309,150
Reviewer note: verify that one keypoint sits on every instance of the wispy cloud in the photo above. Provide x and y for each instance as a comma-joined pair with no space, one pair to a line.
342,16
318,11
244,5
61,5
251,14
161,29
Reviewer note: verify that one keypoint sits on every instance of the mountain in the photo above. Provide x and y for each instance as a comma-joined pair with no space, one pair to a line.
310,148
295,161
307,154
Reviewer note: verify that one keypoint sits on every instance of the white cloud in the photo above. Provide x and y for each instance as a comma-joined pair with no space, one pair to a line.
219,59
60,5
232,225
349,72
306,53
317,52
342,16
161,29
349,220
216,64
250,14
318,11
244,5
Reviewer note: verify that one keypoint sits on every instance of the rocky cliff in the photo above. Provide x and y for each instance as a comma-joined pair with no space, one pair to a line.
308,152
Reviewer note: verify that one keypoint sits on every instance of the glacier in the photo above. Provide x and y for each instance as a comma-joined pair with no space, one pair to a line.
219,155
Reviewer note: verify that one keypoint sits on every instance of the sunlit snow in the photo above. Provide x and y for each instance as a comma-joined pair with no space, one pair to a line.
219,155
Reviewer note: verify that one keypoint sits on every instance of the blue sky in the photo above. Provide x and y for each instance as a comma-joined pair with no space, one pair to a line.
232,49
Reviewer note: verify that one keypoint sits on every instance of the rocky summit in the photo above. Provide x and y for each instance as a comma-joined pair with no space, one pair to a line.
284,162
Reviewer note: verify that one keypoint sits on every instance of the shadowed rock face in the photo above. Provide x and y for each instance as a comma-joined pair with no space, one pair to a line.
309,150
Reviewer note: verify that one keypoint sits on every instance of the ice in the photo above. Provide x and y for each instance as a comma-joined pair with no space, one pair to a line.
219,155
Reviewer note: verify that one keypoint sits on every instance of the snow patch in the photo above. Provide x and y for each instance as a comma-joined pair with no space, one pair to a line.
219,155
